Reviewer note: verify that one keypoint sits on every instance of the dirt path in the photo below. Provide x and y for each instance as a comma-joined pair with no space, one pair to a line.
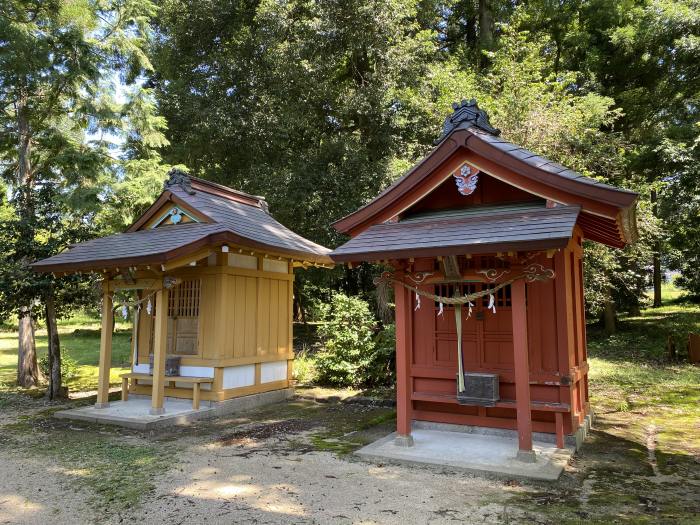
291,463
33,492
274,482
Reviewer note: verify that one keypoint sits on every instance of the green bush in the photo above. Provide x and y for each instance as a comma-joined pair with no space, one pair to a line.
354,354
69,367
304,371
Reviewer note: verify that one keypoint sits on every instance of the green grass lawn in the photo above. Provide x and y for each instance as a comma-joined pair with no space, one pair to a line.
631,375
80,340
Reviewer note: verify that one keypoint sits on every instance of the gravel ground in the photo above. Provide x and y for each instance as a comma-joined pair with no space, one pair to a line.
242,470
219,484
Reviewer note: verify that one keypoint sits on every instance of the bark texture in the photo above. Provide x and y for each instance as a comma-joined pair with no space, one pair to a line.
27,368
485,29
55,390
657,257
609,318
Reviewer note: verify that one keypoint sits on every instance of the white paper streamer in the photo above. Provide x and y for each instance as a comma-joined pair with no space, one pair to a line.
149,307
125,311
469,312
492,303
417,302
441,310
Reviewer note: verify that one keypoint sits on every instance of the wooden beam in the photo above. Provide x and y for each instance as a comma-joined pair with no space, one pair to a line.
521,365
105,348
184,261
139,284
451,267
160,343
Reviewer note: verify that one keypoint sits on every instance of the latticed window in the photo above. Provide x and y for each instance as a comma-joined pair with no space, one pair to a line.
184,299
183,319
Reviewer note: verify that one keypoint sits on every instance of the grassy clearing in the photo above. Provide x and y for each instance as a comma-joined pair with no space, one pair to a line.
641,463
630,374
80,340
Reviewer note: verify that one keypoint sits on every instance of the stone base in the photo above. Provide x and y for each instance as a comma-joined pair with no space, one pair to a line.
403,440
136,413
101,405
575,440
526,456
484,454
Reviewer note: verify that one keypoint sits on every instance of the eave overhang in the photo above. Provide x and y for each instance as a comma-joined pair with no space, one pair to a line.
611,209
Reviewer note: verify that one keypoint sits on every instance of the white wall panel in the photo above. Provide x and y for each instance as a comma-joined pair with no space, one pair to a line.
274,371
238,376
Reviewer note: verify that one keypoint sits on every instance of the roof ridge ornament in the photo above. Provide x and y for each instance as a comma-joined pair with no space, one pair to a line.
177,177
468,113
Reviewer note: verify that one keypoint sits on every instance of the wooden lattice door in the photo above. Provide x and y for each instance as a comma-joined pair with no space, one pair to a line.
183,319
487,338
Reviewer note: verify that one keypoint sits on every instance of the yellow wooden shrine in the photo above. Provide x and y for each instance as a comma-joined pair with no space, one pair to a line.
213,274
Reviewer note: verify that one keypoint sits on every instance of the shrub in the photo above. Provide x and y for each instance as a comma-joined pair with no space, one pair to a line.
354,354
305,367
69,367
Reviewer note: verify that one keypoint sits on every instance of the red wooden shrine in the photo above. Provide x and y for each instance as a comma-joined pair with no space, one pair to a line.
475,213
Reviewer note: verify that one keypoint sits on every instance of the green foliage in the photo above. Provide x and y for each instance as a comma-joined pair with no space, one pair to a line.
354,355
348,336
69,367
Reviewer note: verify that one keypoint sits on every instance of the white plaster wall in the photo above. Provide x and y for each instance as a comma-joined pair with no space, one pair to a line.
274,371
238,376
243,261
197,371
272,265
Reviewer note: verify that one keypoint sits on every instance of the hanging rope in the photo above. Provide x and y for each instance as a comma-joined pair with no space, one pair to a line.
533,272
386,278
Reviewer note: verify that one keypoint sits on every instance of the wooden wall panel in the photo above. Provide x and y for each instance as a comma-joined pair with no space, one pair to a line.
145,334
209,324
250,307
263,332
282,317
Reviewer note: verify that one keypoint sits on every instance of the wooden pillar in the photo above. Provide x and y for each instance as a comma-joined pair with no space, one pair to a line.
105,348
522,371
160,346
403,373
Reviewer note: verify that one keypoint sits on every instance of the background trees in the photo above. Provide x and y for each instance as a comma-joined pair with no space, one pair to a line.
327,103
319,105
59,110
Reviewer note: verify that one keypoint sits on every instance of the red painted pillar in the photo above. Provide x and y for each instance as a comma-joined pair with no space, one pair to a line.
403,374
522,371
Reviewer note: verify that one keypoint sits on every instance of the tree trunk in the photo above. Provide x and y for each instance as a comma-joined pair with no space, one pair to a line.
27,368
485,30
635,310
609,318
55,390
657,256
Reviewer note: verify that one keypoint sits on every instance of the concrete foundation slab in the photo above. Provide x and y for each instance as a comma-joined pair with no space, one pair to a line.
136,412
476,453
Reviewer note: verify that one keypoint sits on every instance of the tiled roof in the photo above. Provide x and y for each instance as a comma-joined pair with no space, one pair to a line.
473,230
242,221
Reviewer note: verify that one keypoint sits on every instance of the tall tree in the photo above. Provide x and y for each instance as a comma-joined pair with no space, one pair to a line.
54,56
294,100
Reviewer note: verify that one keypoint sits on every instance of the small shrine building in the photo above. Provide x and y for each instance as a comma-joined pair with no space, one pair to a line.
485,243
213,272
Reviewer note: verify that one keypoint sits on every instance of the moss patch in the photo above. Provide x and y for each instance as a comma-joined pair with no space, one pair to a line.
118,467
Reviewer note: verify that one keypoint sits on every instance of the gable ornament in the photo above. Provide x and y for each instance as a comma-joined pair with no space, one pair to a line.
179,178
466,179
